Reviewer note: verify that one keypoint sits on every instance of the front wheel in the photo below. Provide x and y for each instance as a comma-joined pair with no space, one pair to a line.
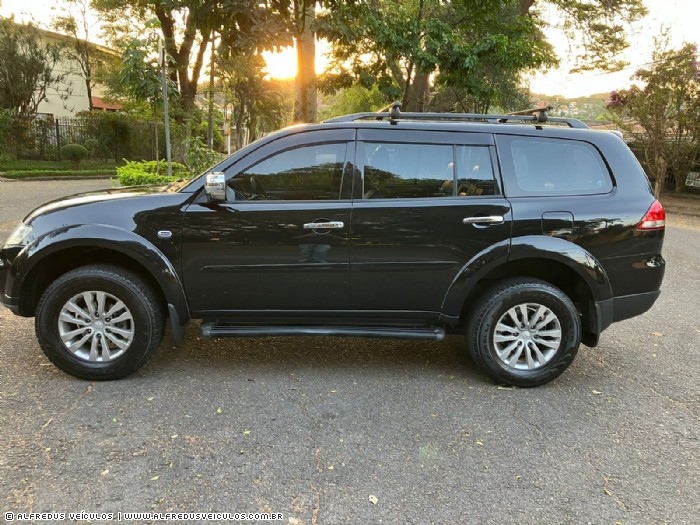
523,332
99,322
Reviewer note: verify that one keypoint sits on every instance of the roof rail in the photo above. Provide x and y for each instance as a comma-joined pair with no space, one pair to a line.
394,115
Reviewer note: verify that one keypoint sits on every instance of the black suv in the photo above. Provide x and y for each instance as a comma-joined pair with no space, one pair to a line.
529,238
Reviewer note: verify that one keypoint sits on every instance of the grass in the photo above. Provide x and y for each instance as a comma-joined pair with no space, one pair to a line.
20,169
14,174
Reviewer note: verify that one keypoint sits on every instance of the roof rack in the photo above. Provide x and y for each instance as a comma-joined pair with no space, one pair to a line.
394,115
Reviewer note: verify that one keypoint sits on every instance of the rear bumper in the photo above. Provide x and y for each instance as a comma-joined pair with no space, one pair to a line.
617,309
627,306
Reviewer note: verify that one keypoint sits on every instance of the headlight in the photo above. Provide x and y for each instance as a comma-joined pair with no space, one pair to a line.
19,237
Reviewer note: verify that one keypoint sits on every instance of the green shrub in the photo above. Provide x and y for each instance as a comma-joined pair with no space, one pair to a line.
91,145
75,153
151,172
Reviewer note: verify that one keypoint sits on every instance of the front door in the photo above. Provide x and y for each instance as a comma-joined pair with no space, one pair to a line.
280,242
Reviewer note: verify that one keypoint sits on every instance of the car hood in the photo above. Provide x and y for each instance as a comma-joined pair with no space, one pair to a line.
80,199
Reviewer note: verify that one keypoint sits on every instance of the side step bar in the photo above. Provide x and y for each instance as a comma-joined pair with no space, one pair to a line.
432,333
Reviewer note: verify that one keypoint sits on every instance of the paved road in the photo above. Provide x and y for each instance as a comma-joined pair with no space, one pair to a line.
313,427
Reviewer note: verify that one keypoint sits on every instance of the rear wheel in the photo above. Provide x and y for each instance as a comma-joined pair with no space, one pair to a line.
99,322
523,332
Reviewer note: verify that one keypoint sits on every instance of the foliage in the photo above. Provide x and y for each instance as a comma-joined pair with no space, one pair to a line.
505,96
199,156
354,99
151,172
480,48
73,19
663,115
91,147
26,174
188,27
27,67
139,76
257,104
598,27
74,153
55,166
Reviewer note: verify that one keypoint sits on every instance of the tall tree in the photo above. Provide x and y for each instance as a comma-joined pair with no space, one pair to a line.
663,115
305,81
187,27
74,20
258,104
27,68
399,45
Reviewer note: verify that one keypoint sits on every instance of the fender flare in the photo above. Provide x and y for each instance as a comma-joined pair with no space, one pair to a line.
528,247
471,273
566,252
112,238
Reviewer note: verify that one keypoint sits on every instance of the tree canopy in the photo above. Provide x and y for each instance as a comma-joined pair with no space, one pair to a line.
27,67
662,116
479,48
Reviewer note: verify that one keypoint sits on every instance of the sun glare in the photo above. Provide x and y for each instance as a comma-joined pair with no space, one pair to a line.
282,64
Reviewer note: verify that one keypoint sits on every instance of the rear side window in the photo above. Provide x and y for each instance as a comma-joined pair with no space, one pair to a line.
397,170
546,166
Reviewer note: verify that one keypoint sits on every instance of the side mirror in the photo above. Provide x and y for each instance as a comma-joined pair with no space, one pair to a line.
215,186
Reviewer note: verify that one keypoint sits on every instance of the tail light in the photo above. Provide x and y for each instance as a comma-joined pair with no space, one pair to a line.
655,218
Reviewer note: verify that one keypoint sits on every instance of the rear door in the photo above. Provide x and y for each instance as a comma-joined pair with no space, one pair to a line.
426,203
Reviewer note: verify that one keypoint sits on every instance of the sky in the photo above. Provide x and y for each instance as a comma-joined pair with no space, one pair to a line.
681,17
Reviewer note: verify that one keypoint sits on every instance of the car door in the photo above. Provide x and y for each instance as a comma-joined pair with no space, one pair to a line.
429,202
280,242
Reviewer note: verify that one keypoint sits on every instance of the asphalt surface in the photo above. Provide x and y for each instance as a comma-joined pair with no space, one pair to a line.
315,428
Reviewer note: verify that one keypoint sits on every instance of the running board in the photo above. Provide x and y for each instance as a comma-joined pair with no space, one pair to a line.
222,330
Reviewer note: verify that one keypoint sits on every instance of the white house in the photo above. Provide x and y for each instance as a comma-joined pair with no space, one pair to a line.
70,97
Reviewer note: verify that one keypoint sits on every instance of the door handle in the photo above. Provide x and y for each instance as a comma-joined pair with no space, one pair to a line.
485,219
332,225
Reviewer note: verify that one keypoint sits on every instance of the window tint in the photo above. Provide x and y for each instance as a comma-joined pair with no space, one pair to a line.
555,166
474,171
408,171
306,173
427,170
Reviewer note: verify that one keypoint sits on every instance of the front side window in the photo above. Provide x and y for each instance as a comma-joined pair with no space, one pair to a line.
307,173
547,166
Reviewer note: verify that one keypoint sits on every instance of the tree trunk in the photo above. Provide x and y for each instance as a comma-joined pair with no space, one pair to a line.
660,168
210,116
417,94
305,82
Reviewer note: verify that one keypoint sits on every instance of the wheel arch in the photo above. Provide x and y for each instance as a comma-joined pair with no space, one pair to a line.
50,256
561,263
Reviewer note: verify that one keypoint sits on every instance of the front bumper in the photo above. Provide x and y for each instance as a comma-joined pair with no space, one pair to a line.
8,301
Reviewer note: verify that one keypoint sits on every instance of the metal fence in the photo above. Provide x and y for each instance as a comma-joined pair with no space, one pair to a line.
106,136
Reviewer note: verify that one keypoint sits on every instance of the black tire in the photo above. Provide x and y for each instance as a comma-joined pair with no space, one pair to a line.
497,304
141,319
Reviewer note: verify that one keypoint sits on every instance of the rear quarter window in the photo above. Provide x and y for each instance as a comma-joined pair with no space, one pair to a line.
542,166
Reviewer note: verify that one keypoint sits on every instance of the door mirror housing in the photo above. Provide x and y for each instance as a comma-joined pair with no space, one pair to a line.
215,186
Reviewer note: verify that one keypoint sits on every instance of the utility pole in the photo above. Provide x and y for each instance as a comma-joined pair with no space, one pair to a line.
164,70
